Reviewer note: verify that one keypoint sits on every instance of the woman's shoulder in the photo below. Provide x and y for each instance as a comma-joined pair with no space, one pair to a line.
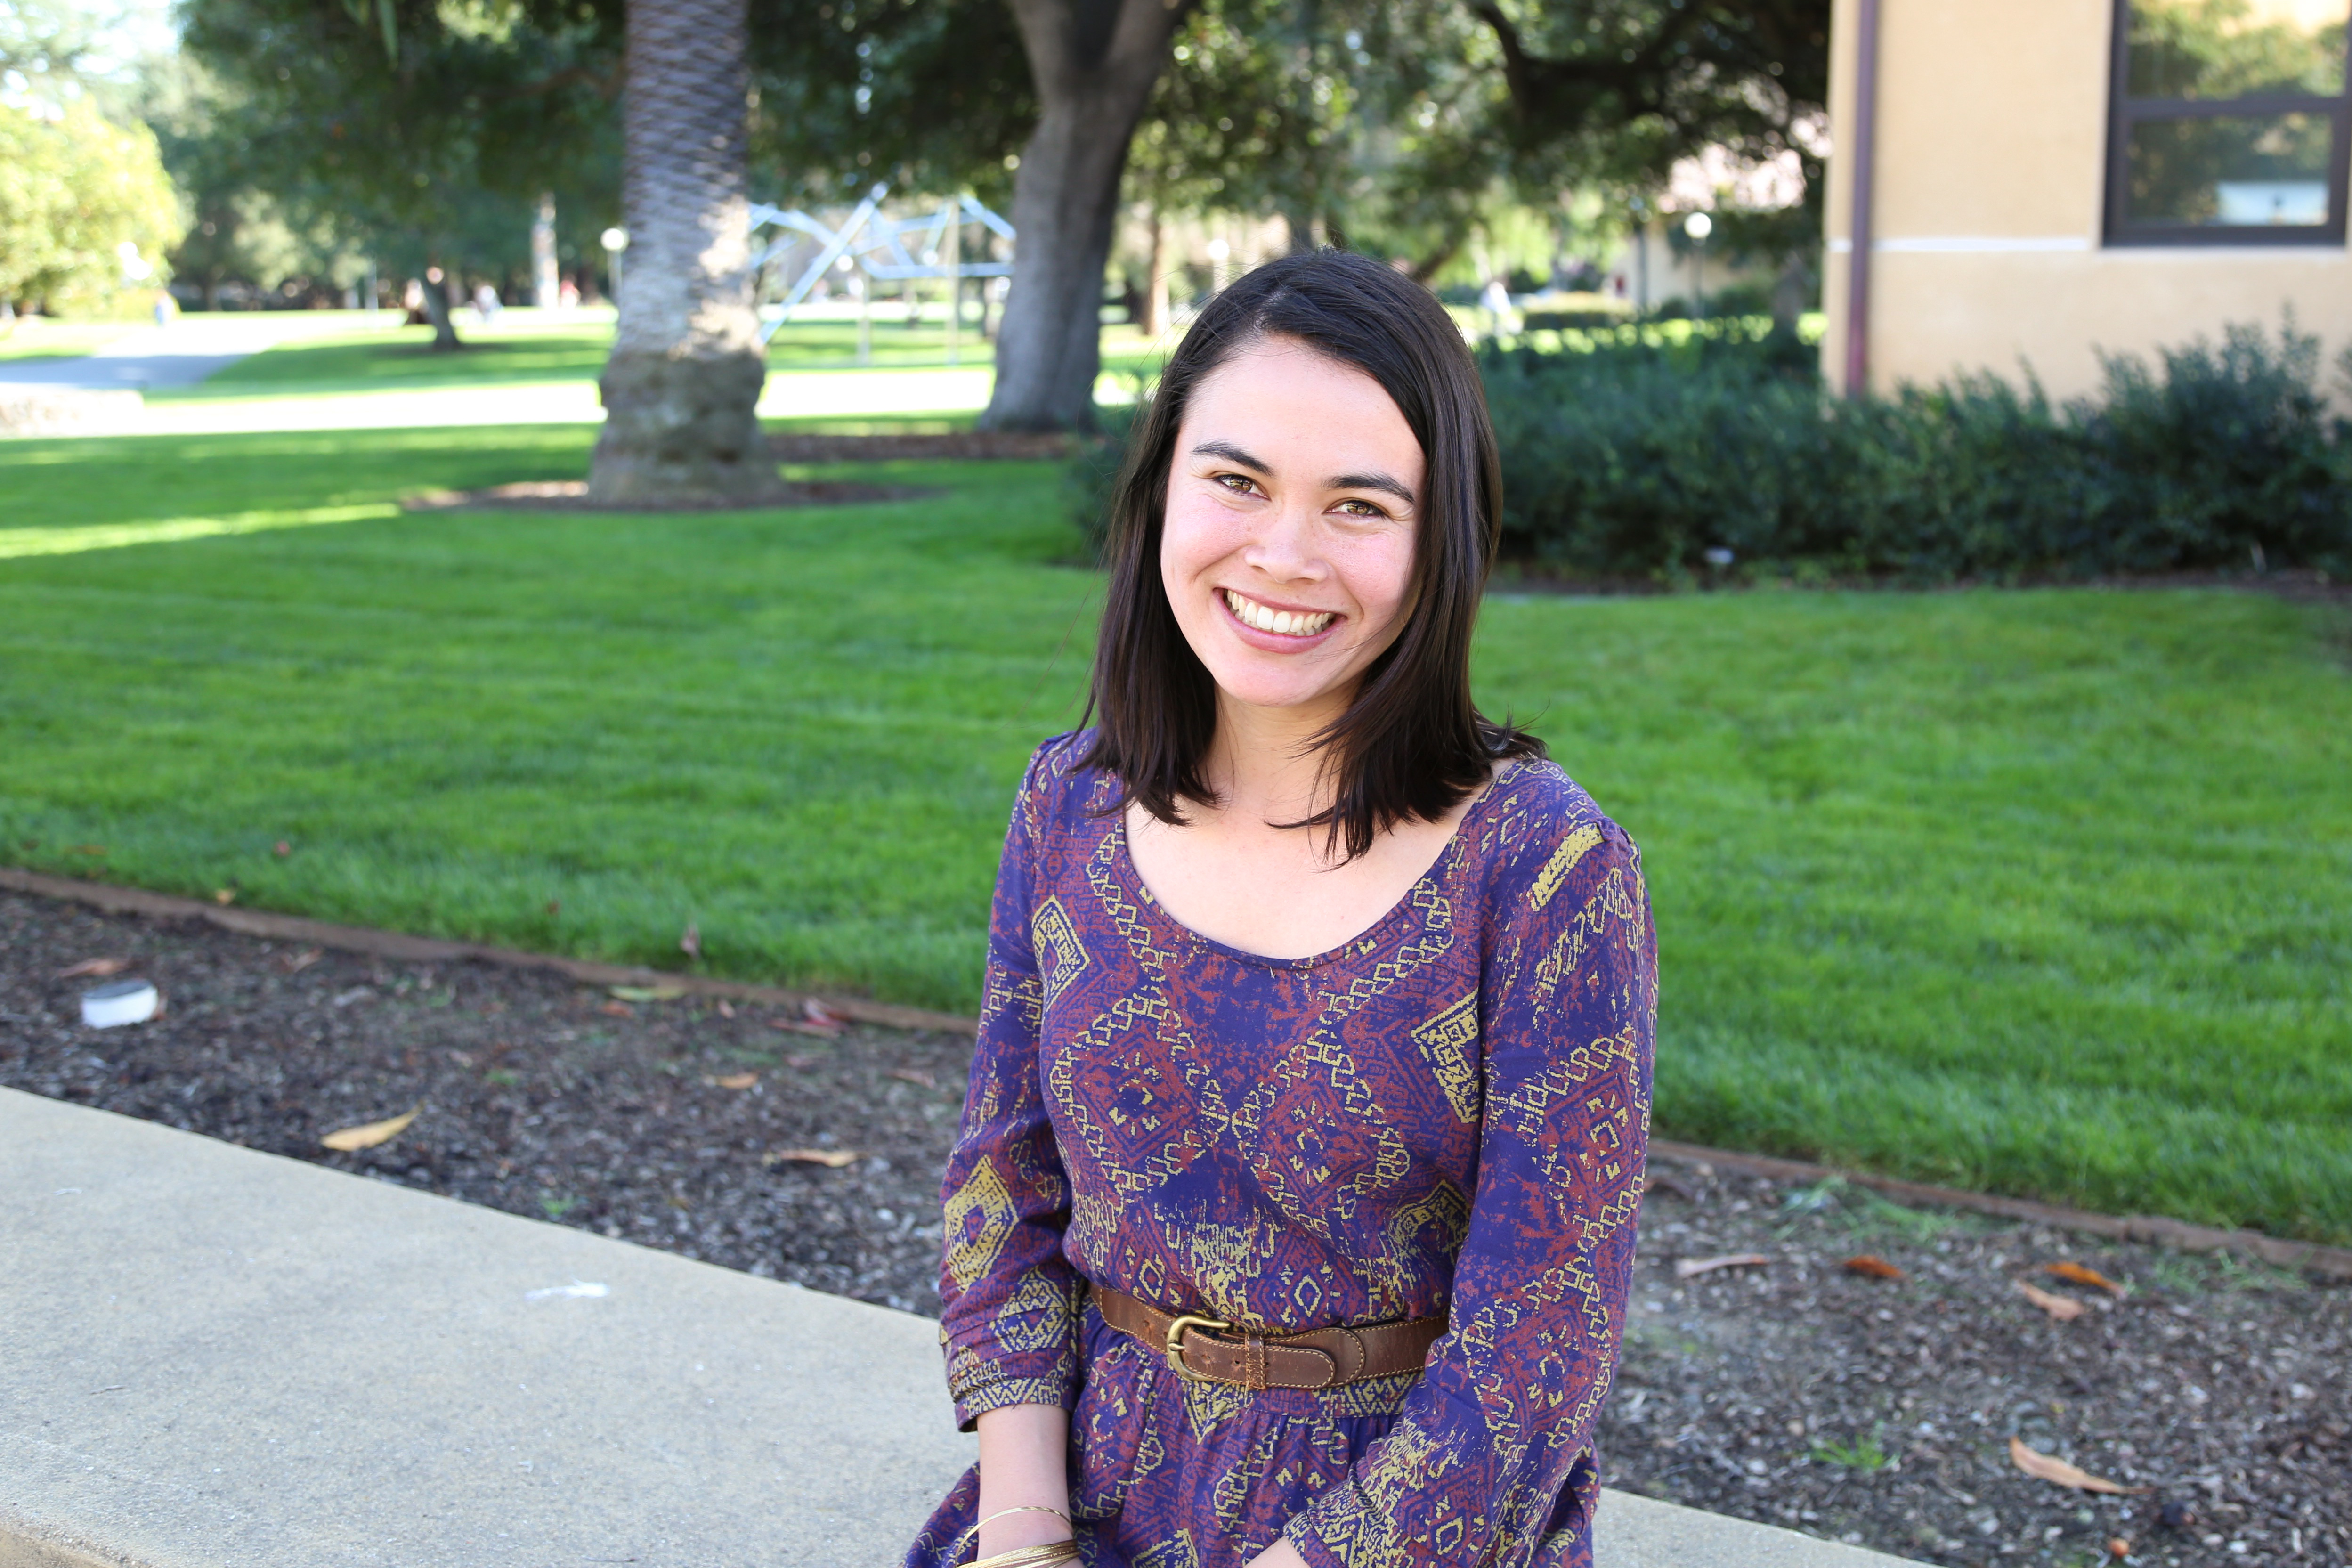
1542,829
1060,787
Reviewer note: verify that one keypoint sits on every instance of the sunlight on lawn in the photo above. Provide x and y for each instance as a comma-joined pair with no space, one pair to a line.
19,542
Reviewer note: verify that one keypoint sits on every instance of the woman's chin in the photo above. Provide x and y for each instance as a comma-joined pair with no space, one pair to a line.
1279,691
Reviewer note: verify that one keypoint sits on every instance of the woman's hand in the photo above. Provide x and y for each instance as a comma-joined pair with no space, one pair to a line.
1024,1463
1281,1554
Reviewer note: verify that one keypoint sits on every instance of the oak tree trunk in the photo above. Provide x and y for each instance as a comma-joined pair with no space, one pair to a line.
686,366
436,297
1093,63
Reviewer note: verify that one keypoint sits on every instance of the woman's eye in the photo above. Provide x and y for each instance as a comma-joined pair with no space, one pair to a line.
1354,508
1240,484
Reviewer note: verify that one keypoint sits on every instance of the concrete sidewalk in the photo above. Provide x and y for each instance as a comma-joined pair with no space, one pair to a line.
183,353
209,1355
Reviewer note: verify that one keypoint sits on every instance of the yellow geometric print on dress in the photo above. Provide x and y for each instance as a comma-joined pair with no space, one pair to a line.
1563,860
1450,1041
984,1195
1060,953
1174,1552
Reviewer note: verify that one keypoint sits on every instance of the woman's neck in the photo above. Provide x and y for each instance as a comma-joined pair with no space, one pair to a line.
1264,763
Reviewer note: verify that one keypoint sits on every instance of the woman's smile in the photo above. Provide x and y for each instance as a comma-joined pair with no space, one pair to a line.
1297,627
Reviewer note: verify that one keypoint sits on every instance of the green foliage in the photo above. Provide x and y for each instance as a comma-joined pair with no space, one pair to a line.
1865,1452
1636,460
1094,470
74,188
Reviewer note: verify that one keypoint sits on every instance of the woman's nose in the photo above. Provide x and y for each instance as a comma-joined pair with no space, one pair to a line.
1284,547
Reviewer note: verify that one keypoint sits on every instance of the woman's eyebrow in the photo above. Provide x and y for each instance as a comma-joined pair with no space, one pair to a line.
1373,482
1231,454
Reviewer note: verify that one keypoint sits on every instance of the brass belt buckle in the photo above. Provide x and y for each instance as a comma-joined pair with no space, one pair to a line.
1175,1347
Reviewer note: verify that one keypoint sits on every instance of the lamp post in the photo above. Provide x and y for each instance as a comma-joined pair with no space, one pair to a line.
1698,226
615,240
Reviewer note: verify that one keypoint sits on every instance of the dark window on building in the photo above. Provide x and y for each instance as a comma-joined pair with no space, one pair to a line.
2230,122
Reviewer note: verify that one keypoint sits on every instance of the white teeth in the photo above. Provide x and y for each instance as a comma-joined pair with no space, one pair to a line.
1283,623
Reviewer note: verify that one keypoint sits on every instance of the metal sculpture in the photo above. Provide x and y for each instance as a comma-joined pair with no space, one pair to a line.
877,246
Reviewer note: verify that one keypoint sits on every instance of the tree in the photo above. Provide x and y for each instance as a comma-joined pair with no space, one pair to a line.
410,128
688,366
1093,63
85,205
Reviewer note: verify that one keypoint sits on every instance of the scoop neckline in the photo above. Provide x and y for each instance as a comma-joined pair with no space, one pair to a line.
1397,912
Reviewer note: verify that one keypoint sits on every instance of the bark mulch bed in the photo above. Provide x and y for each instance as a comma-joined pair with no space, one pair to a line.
1794,1391
572,495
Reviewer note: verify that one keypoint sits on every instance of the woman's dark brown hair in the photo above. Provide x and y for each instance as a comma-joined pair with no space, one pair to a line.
1412,744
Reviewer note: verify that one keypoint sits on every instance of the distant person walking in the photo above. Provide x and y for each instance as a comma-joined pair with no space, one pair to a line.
1291,1217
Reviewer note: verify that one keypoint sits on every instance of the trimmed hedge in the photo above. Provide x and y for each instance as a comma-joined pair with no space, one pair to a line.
1637,460
1640,454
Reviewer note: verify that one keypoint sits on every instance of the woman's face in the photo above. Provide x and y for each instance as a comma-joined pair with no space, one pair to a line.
1293,503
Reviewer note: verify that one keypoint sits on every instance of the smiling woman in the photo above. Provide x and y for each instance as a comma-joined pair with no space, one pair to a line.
1290,1217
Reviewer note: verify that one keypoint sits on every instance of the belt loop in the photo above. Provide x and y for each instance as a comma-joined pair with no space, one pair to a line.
1252,1359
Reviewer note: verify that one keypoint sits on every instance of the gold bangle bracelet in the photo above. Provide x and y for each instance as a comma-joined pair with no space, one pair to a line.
1053,1554
1023,1508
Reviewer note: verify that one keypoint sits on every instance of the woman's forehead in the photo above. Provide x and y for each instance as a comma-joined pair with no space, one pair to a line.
1283,402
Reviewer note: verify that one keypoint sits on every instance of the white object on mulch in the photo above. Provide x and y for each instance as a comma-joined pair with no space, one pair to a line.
123,1001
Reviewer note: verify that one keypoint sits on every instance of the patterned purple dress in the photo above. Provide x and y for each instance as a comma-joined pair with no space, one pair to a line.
1446,1113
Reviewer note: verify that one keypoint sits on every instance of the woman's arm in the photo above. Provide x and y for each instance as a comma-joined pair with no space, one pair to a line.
1009,1300
1024,1463
1491,1455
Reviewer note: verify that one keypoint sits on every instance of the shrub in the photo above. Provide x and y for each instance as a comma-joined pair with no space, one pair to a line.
1639,458
1094,457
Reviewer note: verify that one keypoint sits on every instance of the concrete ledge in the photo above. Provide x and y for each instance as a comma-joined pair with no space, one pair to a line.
217,1356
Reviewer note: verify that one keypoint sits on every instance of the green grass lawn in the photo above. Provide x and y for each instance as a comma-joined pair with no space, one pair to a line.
41,337
2039,893
532,350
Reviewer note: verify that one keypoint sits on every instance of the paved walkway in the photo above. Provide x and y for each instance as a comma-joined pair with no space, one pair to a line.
181,353
209,1355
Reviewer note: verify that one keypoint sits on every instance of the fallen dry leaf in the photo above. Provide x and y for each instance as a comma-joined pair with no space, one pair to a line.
2081,1276
94,966
734,1080
689,940
1874,1268
617,1010
655,992
726,1008
87,850
2042,1466
2062,1309
224,896
796,1026
296,964
914,1076
369,1135
1687,1268
832,1159
823,1016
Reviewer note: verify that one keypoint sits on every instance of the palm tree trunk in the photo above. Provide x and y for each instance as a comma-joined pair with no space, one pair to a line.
686,366
1093,63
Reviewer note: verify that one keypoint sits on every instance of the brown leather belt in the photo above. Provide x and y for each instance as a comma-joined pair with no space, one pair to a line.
1209,1349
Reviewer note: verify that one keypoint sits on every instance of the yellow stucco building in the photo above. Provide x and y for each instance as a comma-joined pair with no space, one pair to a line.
2033,180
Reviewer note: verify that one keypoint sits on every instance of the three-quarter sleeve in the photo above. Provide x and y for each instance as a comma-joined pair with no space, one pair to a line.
1009,1301
1491,1457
